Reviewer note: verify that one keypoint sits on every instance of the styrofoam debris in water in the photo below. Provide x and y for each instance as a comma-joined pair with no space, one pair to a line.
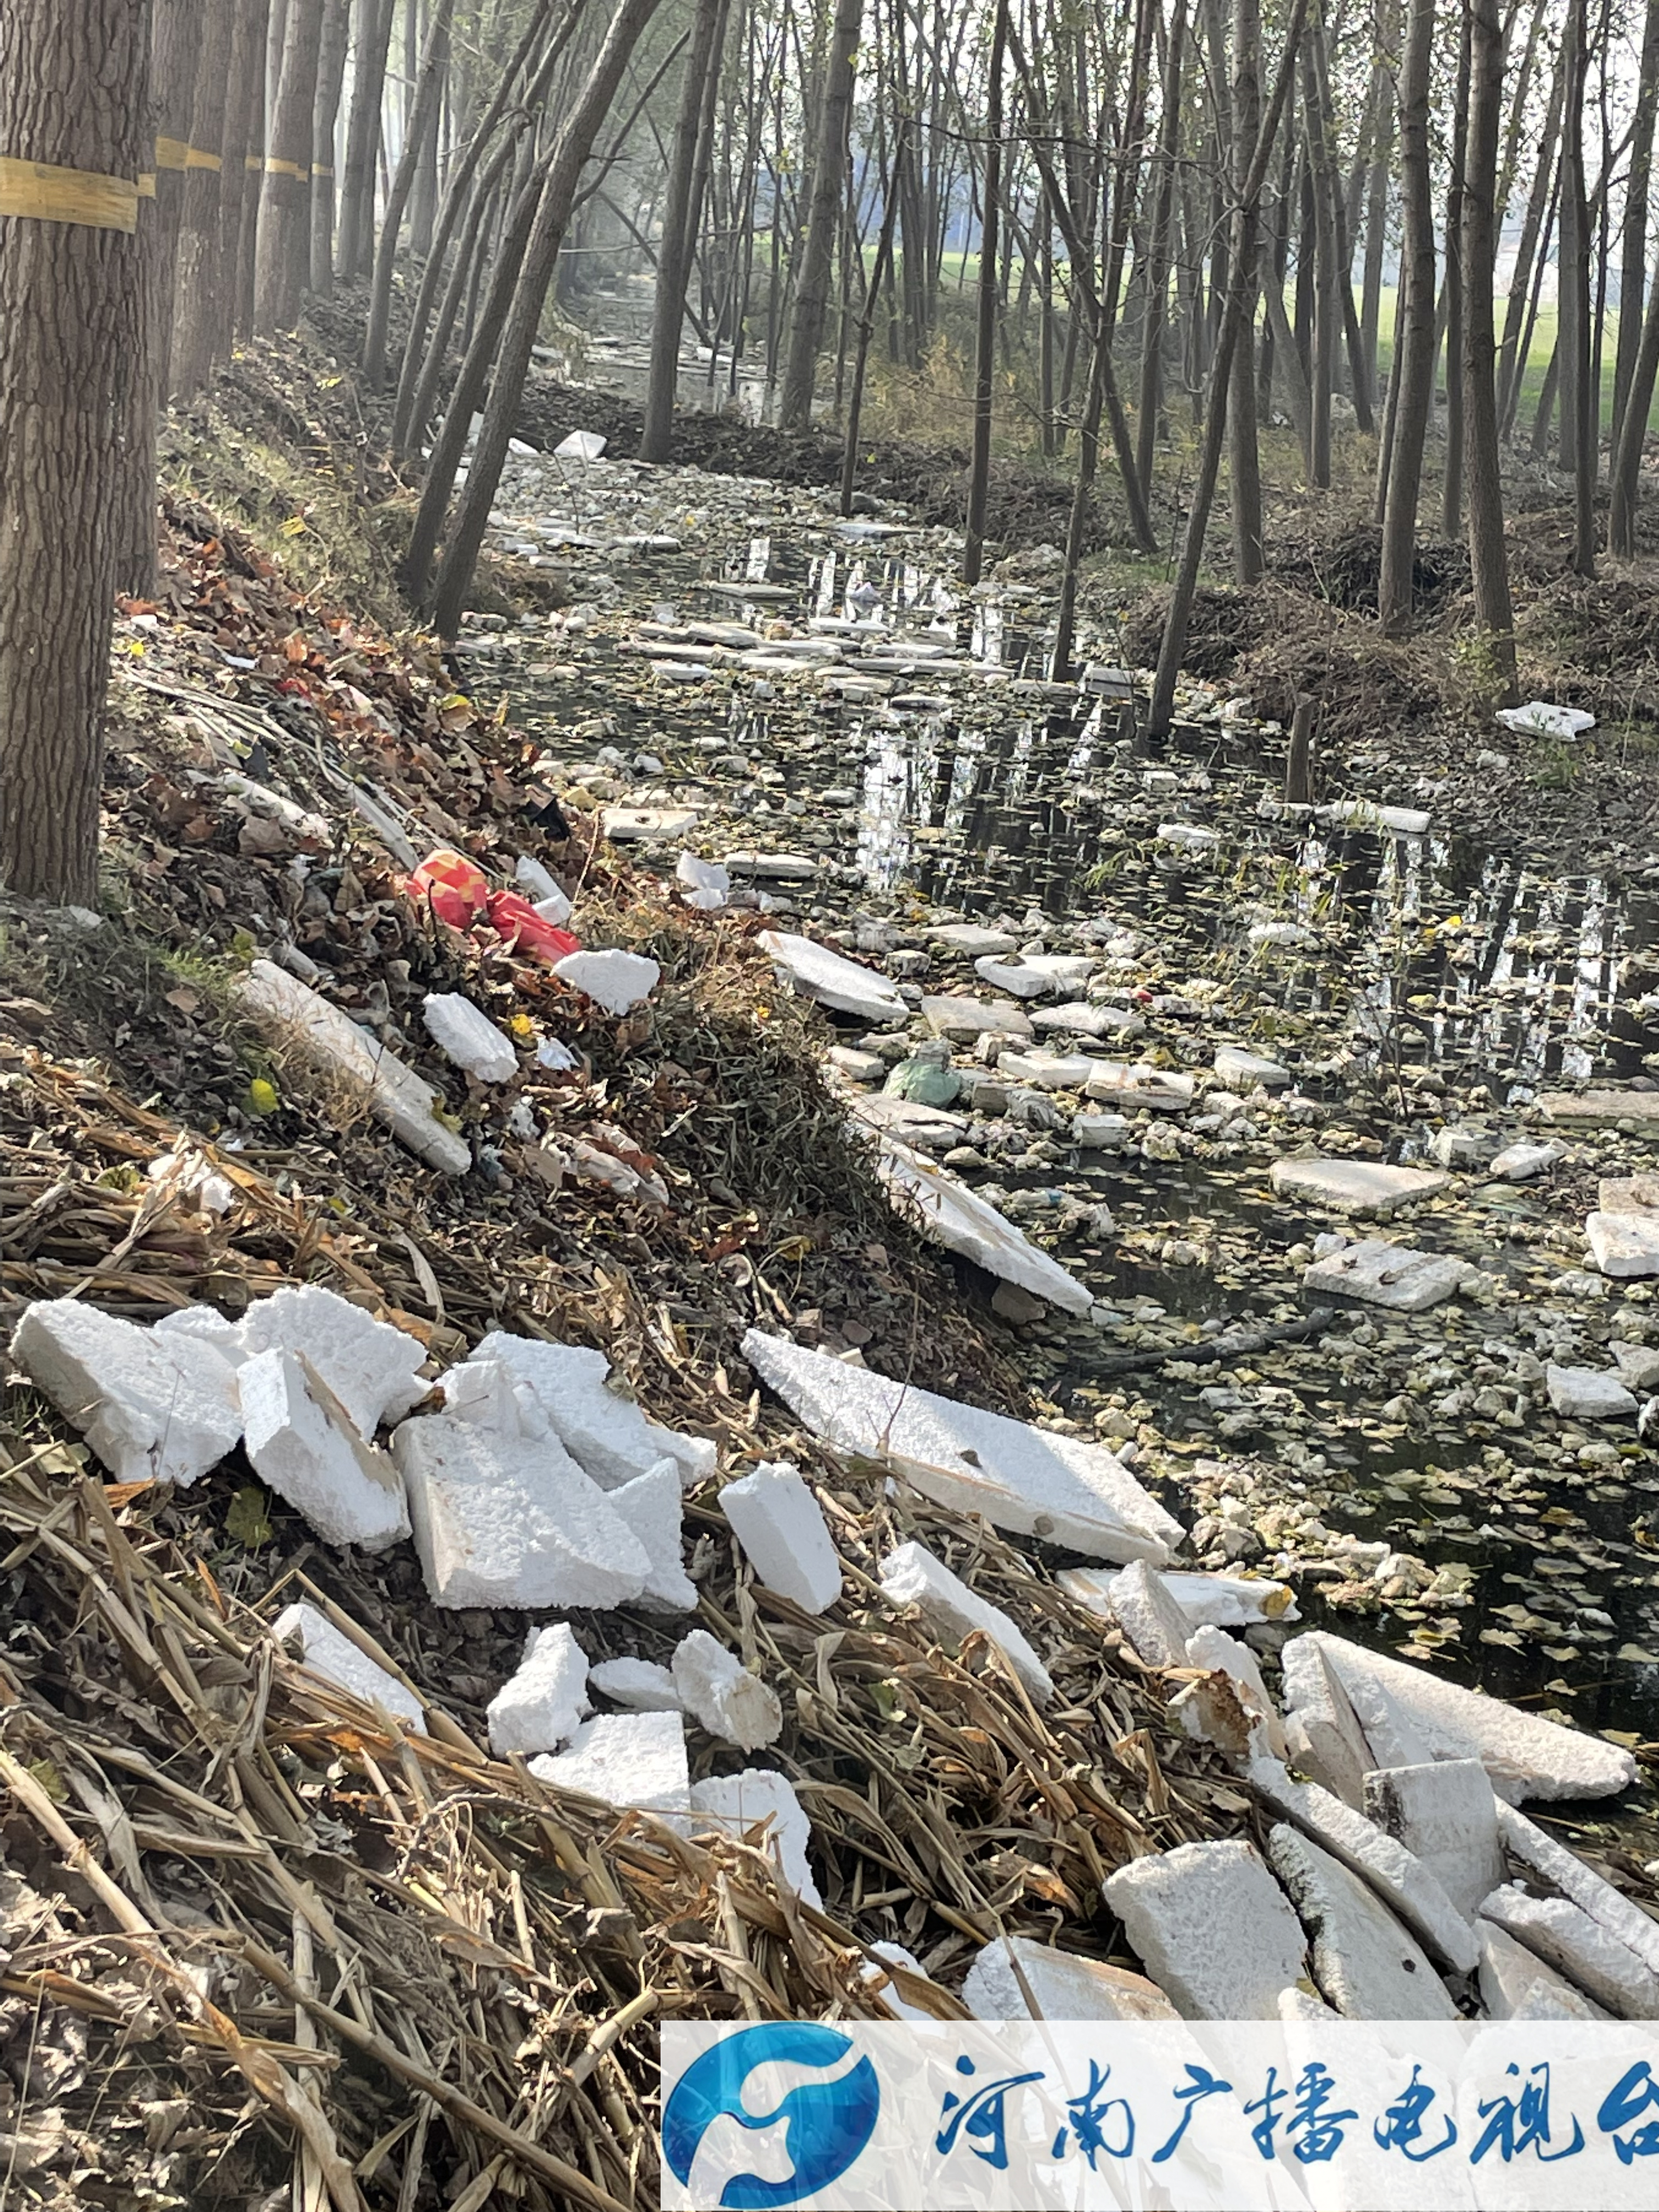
291,1011
612,979
1212,1599
1213,1929
819,972
154,1408
1244,1071
606,1434
1587,1394
784,1535
510,1521
543,1704
639,1683
1048,1071
720,1692
1354,1186
1131,1085
1326,1738
1526,1755
736,1804
652,1505
703,884
1625,1246
1593,1959
632,1761
1063,1985
1445,1814
1365,1962
1520,1162
325,1650
468,1037
1392,1276
1032,1481
348,1490
1034,975
949,1214
372,1368
910,1575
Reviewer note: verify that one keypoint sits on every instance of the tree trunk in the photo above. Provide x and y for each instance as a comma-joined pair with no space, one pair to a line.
1416,333
330,79
1488,559
1082,499
73,98
1534,227
1573,344
283,255
422,115
575,144
1157,254
1626,489
355,246
1632,265
979,472
244,133
261,96
812,292
849,457
196,325
1243,460
1451,492
675,246
1326,310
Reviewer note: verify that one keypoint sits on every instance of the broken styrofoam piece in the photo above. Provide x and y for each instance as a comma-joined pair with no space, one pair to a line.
1445,1814
639,1683
486,1393
720,1692
1392,1276
511,1520
1245,1071
949,1213
605,1433
703,884
468,1037
189,1176
1520,1162
297,1444
760,1796
784,1534
1365,814
1320,1724
536,882
910,1575
652,1505
372,1368
1031,1481
1587,1394
1116,1083
1218,1653
636,1762
543,1704
154,1408
1353,1185
1032,975
1625,1246
325,1650
890,1956
1564,1870
1512,1978
817,971
1525,1755
1063,1985
579,445
1363,1960
1216,1600
1406,1884
613,979
1542,717
1149,1615
283,1006
1213,1929
1564,1936
1048,1071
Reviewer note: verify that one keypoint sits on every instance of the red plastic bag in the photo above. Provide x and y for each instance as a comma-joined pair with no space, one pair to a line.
521,929
454,886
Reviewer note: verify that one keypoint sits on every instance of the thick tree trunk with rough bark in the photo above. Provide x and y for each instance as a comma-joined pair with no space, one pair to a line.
244,144
196,318
829,165
73,80
424,116
676,245
1244,459
283,259
1488,559
355,248
1416,333
978,470
325,108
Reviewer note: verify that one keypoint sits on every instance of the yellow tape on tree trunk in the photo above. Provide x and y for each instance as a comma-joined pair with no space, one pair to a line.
41,193
147,184
321,169
254,161
171,153
276,168
196,159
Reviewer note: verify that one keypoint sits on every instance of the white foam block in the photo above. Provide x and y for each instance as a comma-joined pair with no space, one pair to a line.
890,1956
1564,1936
1377,1273
1512,1977
817,972
1365,1961
154,1408
639,1683
542,1706
1322,1725
759,1797
1032,1481
1213,1929
1206,1601
912,1576
1217,1652
722,1696
1403,1881
949,1214
652,1505
606,1434
1526,1756
613,980
1587,1394
292,1013
1622,1916
467,1037
1445,1814
371,1367
510,1521
635,1761
1064,1985
324,1650
784,1535
350,1492
1148,1613
1354,1186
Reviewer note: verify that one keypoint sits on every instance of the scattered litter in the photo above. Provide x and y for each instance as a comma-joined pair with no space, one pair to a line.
761,1798
615,980
543,1704
154,1408
1212,1927
911,1576
1063,1985
720,1692
633,1761
468,1037
784,1535
302,1444
326,1652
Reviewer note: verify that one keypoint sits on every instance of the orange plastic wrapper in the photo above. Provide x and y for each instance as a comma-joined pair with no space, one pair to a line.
523,930
453,886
